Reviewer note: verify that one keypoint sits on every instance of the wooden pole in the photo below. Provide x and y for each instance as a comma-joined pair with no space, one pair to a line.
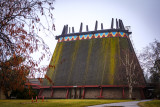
67,93
83,96
123,93
36,98
32,99
43,99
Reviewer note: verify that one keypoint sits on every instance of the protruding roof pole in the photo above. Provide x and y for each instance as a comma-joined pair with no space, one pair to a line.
81,26
72,29
101,26
69,29
121,24
112,23
87,28
66,29
63,31
117,27
96,25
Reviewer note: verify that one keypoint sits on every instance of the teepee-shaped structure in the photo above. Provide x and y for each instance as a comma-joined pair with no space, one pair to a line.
88,65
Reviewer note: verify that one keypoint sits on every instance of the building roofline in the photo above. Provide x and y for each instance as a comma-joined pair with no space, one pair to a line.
93,32
119,28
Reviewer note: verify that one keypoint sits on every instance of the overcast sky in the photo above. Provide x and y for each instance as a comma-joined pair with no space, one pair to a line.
142,15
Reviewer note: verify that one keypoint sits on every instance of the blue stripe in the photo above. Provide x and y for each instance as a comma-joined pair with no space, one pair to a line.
61,38
81,36
70,37
75,37
90,35
106,33
96,34
121,33
66,38
101,34
85,36
113,33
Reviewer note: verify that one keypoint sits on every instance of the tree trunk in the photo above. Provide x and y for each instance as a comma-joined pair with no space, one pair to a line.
6,94
130,92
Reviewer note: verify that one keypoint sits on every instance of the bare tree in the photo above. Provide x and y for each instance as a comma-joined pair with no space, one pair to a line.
150,55
150,61
132,72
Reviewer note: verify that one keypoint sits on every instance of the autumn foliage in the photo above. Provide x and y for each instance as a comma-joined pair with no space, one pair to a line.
20,22
49,79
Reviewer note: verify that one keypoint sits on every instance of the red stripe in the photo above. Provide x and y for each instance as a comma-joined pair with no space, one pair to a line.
90,86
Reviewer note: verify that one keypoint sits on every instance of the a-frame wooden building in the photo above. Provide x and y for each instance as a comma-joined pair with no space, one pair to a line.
87,65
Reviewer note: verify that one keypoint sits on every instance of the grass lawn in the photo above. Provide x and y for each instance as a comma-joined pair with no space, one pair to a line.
56,102
153,103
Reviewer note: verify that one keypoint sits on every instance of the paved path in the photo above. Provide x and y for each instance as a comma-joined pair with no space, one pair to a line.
123,104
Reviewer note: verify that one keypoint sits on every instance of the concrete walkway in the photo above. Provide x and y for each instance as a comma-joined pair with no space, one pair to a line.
121,104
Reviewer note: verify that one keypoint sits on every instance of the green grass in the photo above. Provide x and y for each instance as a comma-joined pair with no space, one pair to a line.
56,102
153,103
